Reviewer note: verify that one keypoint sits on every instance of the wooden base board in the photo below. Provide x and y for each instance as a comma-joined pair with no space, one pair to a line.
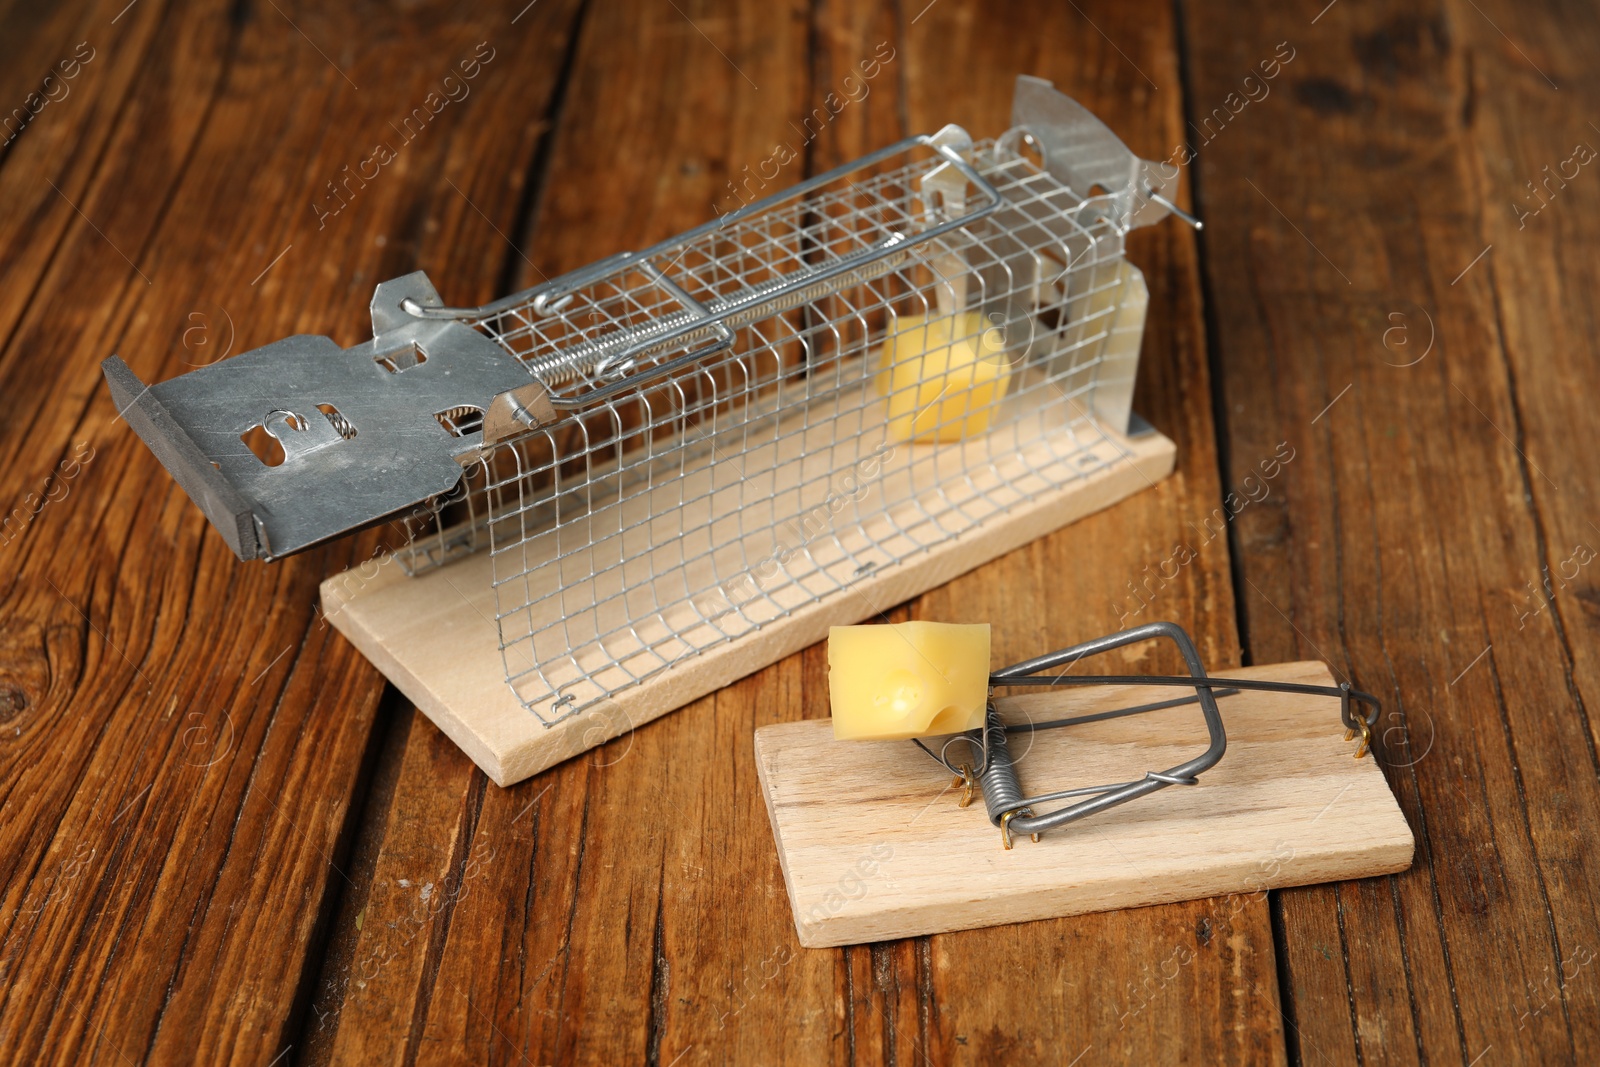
435,637
874,846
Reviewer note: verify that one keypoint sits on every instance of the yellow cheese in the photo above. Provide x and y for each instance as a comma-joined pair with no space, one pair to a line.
911,679
942,376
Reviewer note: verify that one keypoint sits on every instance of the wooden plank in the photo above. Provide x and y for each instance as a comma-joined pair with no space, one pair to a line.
602,913
1104,986
1437,478
69,70
435,635
423,859
184,742
874,845
638,885
1540,291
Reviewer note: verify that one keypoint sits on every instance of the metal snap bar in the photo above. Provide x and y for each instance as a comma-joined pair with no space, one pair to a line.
1014,811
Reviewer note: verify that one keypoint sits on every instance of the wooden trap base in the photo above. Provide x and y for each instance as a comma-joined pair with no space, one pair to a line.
434,636
873,850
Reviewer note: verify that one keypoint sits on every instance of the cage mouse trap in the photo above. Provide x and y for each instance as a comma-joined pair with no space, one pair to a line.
614,492
886,830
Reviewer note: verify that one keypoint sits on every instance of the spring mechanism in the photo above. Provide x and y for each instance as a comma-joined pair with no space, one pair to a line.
619,350
341,425
461,420
1002,792
1003,797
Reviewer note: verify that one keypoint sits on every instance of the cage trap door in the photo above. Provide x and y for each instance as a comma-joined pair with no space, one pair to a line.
874,845
346,436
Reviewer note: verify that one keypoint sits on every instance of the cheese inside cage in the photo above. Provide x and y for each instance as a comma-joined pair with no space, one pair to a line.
674,449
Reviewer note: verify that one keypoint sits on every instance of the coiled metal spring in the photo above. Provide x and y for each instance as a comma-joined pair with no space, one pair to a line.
1002,792
618,351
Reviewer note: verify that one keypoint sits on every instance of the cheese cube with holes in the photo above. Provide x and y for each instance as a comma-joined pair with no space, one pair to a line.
910,679
942,376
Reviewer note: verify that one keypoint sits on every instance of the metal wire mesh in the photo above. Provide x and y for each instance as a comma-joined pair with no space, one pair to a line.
728,456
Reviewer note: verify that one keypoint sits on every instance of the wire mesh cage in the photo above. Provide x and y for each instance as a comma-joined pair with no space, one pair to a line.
671,450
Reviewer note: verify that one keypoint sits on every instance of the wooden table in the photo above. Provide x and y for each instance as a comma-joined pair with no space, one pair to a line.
226,840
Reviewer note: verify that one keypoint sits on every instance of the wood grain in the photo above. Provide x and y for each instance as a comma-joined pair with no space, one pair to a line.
635,898
600,864
159,903
1437,486
1102,985
874,845
183,744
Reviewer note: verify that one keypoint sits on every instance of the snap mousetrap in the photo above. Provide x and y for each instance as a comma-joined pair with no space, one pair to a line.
1076,793
625,487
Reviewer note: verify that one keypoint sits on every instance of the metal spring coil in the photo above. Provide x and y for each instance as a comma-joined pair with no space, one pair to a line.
341,425
561,367
1002,792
